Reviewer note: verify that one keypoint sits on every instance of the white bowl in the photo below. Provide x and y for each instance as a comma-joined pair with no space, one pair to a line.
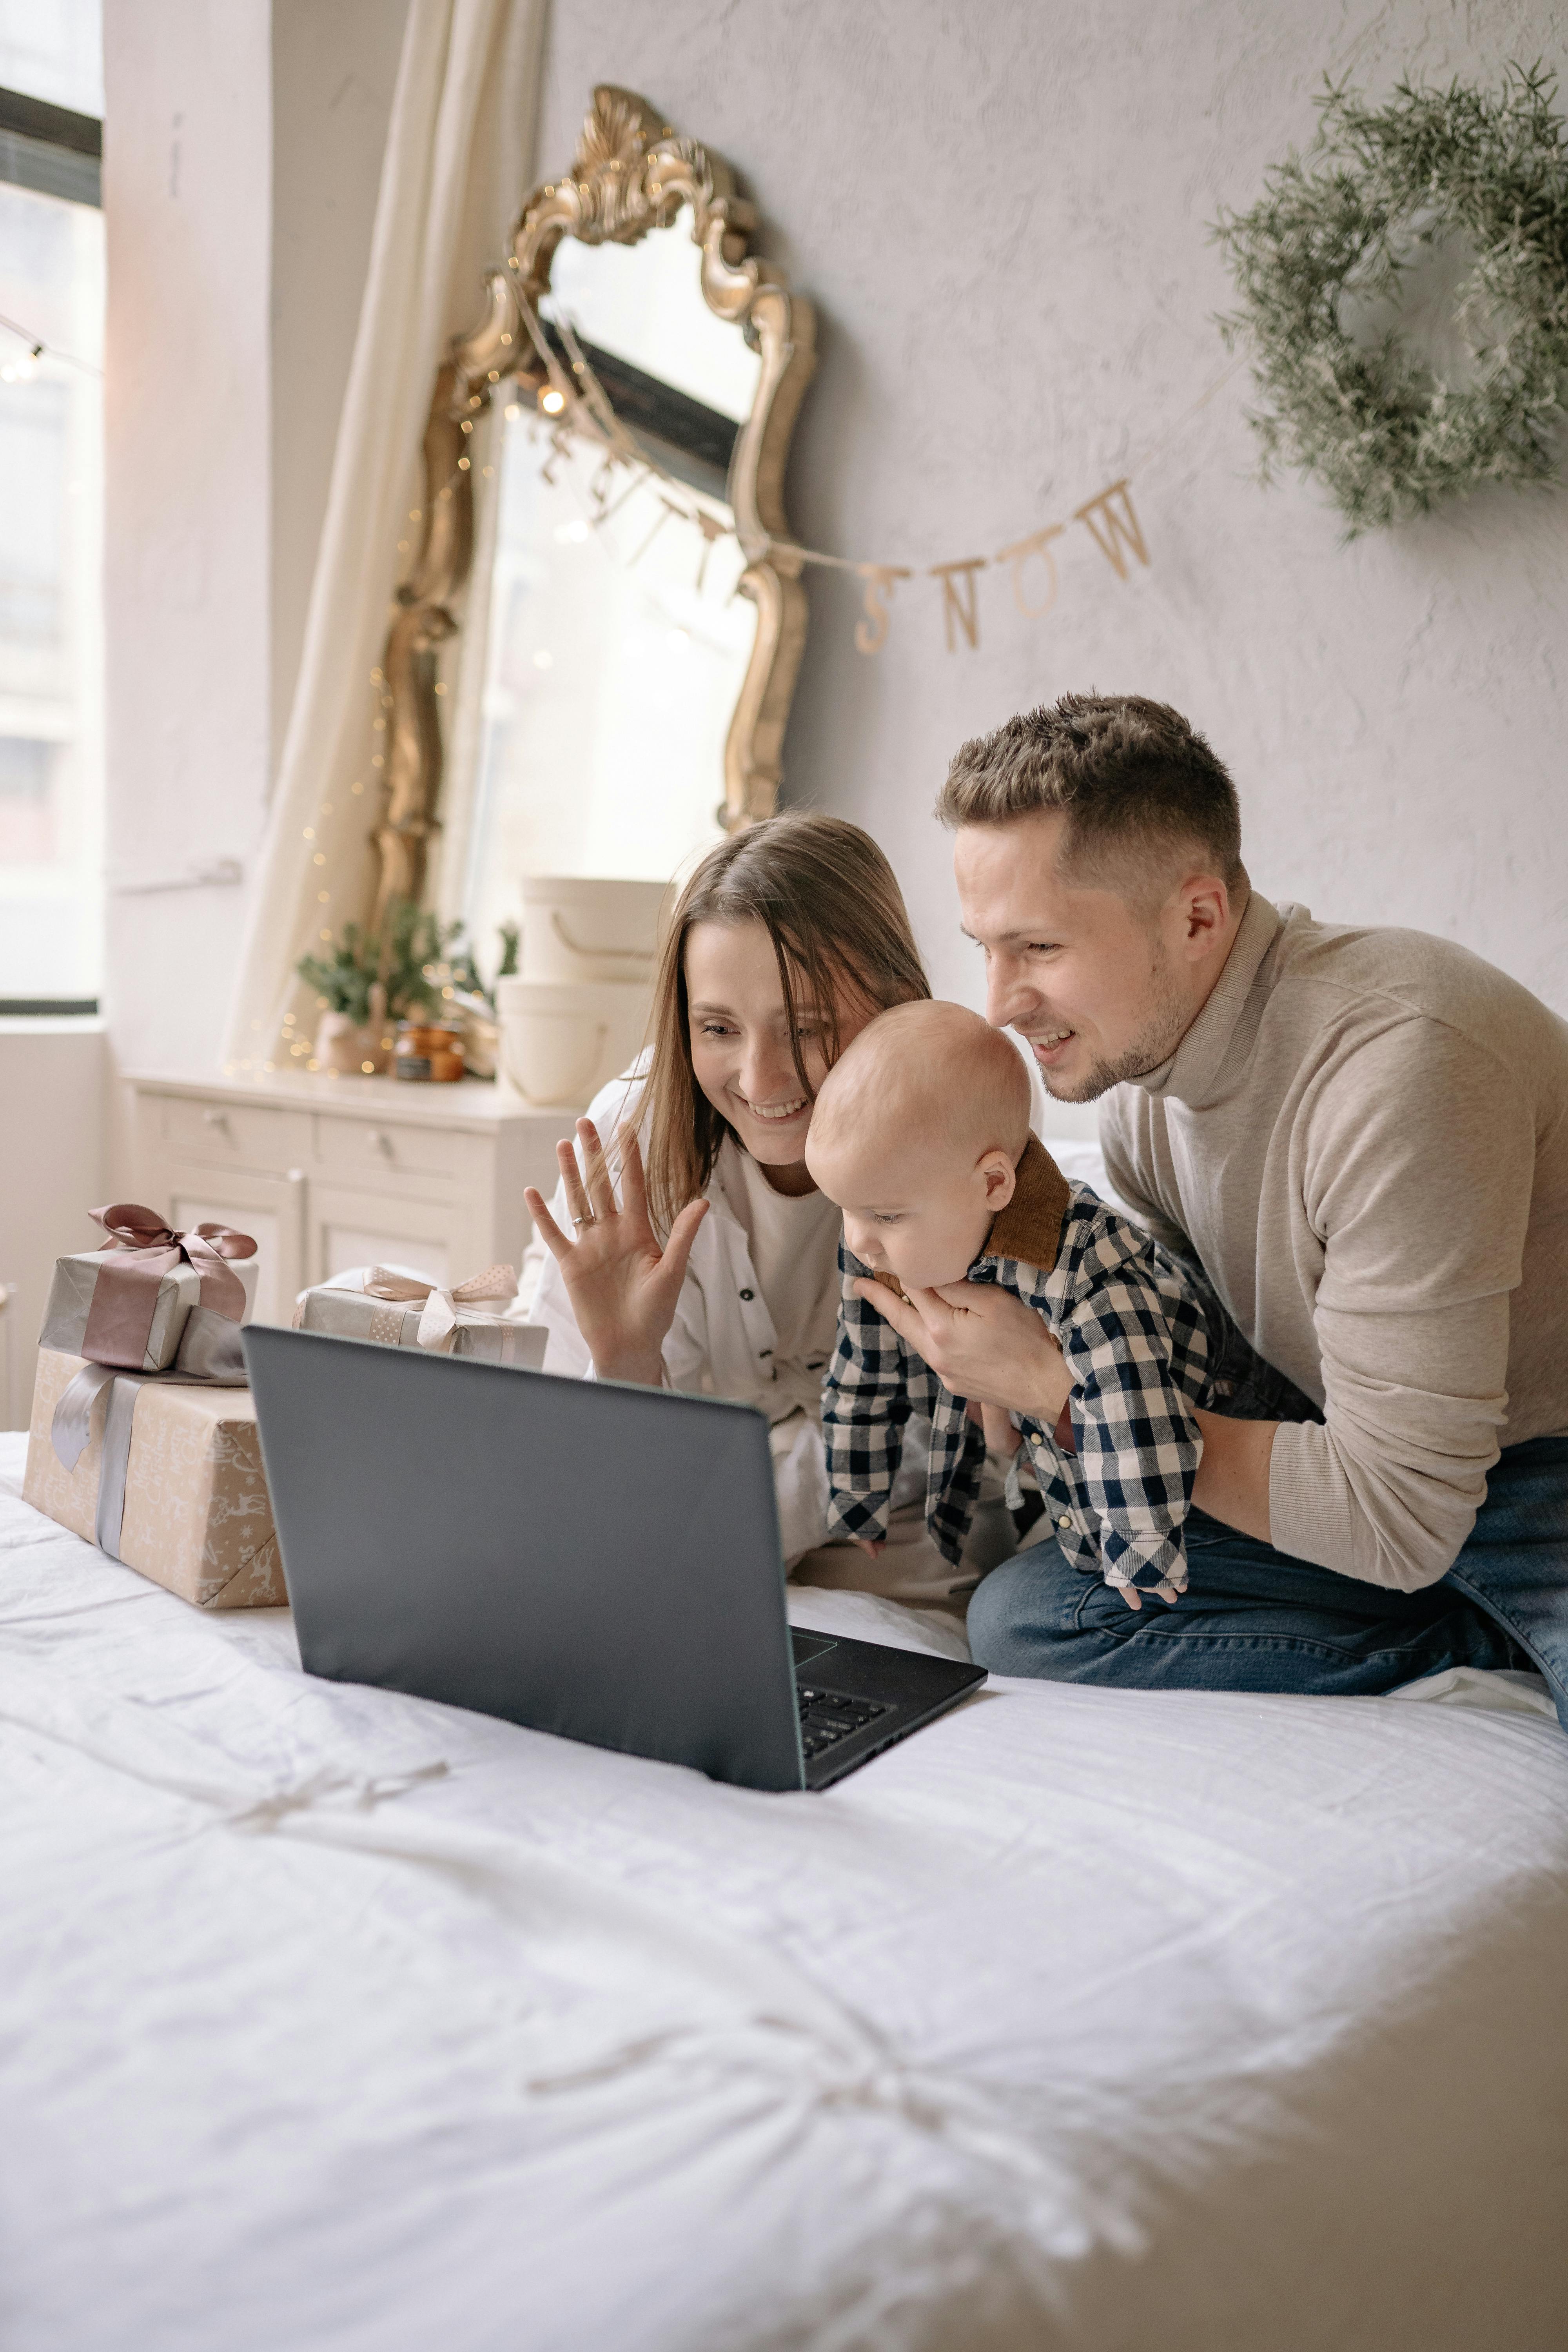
561,1042
577,927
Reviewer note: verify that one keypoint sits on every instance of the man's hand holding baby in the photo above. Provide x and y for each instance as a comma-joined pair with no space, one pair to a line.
981,1342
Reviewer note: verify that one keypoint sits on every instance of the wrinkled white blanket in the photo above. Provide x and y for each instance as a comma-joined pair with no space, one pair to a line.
334,2019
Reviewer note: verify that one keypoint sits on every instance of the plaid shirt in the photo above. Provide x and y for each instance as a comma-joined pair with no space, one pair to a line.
1144,1340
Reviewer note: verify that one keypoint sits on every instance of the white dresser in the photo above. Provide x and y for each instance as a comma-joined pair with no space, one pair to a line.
331,1172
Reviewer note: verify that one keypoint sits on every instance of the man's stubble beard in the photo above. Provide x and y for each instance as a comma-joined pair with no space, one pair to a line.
1169,1017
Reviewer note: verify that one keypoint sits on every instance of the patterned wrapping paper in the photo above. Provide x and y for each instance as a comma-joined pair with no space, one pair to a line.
356,1315
197,1517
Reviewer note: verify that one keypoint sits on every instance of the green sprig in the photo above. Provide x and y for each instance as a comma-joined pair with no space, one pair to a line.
411,942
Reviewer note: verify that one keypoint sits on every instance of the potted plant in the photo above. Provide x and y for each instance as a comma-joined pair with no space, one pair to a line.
354,1032
372,981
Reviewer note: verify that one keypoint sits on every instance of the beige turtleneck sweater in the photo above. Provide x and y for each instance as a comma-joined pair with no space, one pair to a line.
1364,1137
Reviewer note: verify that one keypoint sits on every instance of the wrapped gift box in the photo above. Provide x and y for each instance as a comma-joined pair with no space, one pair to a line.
196,1515
345,1308
71,1296
179,1294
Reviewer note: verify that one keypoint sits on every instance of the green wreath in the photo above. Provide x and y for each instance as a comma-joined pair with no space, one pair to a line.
1385,435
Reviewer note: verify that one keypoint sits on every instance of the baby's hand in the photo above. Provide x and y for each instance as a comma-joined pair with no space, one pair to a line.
995,1422
1165,1591
872,1543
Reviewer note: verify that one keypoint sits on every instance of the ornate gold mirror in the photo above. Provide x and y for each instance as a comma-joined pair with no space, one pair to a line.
625,408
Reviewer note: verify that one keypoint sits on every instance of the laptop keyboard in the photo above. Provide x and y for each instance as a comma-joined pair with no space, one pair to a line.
827,1717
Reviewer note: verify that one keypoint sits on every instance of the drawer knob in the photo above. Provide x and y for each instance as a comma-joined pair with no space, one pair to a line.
379,1140
215,1118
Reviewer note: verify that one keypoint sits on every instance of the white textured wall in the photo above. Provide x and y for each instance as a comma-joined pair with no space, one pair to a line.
51,1174
1001,212
187,205
241,159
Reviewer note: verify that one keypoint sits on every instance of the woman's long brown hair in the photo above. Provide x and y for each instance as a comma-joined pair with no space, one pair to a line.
840,930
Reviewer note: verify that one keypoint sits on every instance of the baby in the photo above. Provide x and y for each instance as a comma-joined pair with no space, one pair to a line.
921,1134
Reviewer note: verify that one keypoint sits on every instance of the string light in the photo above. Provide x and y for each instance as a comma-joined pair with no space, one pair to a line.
19,371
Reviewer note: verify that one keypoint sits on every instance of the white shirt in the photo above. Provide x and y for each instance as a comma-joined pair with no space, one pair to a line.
793,1245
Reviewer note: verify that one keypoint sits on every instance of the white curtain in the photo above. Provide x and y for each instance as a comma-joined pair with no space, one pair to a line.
459,162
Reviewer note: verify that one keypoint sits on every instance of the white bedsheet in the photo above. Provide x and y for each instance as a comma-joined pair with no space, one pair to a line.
332,2019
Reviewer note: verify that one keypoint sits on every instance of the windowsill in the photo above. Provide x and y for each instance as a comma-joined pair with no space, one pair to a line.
50,1024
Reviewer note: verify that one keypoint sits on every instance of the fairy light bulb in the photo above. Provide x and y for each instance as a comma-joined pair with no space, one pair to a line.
552,401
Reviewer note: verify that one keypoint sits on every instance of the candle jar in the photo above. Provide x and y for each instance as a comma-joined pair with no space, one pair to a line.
428,1050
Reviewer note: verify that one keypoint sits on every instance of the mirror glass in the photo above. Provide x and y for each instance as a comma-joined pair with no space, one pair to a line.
616,645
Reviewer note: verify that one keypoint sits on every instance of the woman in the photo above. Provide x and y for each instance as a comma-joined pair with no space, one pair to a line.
712,1263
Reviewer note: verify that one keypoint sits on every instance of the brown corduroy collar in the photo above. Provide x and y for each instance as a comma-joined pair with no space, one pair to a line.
1030,1226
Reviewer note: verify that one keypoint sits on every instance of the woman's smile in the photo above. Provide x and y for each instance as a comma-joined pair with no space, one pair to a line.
773,1111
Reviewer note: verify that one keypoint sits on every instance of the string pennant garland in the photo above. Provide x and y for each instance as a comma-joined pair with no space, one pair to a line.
1038,543
575,405
1114,526
880,579
1111,520
958,598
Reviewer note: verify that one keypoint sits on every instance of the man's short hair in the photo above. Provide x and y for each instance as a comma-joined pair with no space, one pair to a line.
1140,788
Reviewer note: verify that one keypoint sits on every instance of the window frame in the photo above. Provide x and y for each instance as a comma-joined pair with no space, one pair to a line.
56,153
50,149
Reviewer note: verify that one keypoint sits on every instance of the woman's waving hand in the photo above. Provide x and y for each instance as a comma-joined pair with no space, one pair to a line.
623,1286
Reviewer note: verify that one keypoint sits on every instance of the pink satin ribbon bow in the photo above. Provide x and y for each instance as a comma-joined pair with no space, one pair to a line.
438,1323
139,1251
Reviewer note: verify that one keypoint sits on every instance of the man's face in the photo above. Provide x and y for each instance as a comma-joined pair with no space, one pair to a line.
1086,977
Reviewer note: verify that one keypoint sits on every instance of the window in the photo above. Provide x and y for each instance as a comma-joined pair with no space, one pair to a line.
52,505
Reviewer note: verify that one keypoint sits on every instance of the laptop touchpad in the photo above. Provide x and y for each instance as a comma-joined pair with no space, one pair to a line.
810,1645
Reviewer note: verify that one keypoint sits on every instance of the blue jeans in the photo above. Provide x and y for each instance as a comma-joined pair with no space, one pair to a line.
1254,1620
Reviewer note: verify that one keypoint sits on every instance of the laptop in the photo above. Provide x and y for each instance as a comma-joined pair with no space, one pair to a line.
586,1558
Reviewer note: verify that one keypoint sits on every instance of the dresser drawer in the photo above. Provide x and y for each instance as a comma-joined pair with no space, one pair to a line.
270,1209
371,1151
227,1134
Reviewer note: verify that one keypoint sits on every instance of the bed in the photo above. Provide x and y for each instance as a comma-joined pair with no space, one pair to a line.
334,2019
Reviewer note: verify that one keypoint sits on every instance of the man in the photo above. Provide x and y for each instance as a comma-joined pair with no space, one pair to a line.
1363,1135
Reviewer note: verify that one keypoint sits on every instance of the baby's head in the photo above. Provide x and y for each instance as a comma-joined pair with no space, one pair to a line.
916,1133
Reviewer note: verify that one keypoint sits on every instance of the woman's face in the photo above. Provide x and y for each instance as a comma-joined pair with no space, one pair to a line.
741,1047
